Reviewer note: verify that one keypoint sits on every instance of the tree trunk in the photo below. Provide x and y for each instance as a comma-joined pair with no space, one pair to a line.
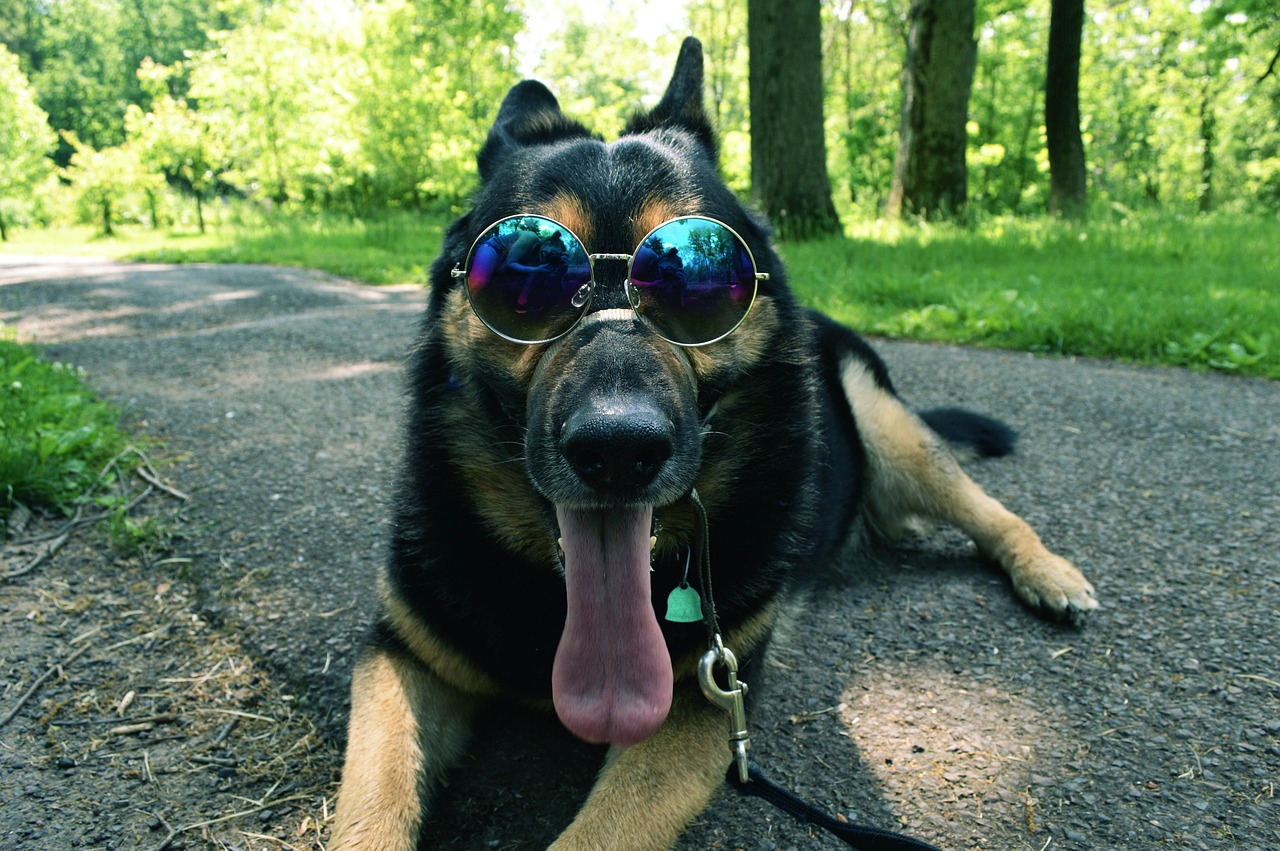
200,211
1067,180
1208,137
788,150
4,231
930,177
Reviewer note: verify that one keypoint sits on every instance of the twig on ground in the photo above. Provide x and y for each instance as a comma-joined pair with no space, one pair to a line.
257,809
163,718
152,477
75,521
173,833
56,666
40,557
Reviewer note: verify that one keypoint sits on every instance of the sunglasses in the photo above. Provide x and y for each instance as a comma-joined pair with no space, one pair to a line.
692,280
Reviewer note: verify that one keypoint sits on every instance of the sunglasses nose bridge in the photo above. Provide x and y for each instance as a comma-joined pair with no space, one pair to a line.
609,280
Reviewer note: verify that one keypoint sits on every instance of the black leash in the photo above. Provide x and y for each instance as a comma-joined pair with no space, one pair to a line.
743,775
861,837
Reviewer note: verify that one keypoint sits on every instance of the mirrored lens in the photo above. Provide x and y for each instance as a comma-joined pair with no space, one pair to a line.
693,280
528,278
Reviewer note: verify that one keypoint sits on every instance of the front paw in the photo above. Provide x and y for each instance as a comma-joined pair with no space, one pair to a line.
1055,587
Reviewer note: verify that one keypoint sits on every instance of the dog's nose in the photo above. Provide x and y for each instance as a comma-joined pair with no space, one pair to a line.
617,444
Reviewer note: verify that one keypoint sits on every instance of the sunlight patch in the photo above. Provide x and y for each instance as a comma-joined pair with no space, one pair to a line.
947,751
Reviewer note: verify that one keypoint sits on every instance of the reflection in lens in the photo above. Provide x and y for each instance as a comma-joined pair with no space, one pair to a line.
693,280
525,278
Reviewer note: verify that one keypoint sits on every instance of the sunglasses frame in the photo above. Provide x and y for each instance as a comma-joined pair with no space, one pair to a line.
460,272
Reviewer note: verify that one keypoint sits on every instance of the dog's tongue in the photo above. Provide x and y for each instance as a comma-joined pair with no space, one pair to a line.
611,681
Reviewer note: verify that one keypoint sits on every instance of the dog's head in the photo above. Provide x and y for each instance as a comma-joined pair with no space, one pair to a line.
570,309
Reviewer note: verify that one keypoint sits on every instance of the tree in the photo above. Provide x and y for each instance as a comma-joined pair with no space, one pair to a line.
176,141
103,179
25,137
82,76
788,147
930,176
435,71
81,55
1067,177
279,91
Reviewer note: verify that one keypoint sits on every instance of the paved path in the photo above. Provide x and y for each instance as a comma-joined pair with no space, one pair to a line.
920,694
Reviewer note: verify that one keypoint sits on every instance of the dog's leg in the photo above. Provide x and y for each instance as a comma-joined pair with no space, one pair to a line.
647,794
407,726
913,474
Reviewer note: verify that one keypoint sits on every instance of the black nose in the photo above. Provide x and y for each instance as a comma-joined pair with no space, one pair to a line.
617,444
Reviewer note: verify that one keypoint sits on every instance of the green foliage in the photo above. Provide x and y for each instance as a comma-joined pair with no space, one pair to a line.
434,73
275,89
136,536
82,55
55,436
25,138
604,94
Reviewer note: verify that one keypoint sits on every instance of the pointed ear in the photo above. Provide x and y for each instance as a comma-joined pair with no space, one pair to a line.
681,107
530,115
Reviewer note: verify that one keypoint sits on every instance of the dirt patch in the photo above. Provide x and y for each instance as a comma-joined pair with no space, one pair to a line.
134,722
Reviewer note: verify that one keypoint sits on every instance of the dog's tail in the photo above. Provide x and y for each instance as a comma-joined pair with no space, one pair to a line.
988,437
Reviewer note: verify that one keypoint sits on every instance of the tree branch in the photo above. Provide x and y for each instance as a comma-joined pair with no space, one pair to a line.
1271,69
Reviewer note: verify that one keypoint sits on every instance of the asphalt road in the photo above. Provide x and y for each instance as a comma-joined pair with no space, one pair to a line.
918,695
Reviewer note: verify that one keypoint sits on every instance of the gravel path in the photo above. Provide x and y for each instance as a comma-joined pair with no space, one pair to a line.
919,696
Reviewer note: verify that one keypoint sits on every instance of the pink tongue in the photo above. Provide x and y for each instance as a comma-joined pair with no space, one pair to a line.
611,681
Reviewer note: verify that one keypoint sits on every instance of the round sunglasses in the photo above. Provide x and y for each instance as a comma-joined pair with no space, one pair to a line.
692,279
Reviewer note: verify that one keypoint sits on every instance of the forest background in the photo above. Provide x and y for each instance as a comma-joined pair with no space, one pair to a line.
265,121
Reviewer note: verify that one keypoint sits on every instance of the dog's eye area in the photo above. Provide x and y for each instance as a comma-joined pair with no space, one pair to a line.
529,279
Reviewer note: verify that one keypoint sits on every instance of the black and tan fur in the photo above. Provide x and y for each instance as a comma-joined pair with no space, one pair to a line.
789,429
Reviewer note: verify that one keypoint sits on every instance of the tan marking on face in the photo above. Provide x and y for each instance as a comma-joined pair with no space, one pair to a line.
654,212
749,344
489,457
568,211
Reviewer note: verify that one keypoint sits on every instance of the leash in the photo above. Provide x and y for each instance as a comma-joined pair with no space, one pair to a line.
743,775
859,836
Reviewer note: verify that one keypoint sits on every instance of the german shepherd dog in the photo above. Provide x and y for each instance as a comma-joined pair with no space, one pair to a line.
615,397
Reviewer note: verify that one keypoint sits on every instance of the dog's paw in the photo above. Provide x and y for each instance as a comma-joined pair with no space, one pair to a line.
1055,587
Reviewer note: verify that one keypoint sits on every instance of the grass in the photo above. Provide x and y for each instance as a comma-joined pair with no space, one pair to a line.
1202,292
56,436
394,249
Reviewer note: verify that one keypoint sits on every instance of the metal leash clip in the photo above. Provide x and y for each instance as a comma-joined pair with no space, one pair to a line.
731,700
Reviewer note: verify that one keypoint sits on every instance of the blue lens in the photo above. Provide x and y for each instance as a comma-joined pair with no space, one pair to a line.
528,278
693,280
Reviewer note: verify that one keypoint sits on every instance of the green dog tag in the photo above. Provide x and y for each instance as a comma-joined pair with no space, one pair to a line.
684,605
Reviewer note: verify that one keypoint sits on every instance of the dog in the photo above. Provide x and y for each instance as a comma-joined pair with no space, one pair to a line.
627,443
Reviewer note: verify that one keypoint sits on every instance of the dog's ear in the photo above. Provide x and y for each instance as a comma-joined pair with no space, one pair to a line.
530,115
682,105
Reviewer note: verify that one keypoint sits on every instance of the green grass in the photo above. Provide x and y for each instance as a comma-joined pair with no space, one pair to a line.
56,436
1158,289
391,250
1203,293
